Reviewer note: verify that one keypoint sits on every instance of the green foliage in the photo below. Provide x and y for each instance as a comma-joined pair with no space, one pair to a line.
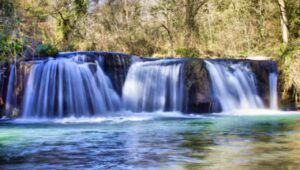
80,6
6,15
9,47
69,17
6,8
46,50
293,8
187,52
288,59
210,27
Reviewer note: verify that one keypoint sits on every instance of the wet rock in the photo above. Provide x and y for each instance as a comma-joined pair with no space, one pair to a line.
262,69
116,66
21,74
198,96
4,74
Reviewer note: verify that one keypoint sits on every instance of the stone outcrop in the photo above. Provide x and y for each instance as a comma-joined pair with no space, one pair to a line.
198,96
21,73
116,66
4,74
262,69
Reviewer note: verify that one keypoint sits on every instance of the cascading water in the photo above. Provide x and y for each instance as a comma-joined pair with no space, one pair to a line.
74,84
273,91
233,85
154,86
10,96
67,87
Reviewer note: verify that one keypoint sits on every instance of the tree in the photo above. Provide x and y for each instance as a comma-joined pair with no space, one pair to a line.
284,22
166,13
69,17
153,27
192,8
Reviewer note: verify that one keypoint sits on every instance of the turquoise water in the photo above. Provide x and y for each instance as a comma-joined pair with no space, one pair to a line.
153,142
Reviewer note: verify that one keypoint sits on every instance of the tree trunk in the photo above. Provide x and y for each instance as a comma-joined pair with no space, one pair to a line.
171,40
189,22
284,22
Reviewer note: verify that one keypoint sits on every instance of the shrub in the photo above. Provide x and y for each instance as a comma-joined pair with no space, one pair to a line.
9,47
187,52
46,50
288,60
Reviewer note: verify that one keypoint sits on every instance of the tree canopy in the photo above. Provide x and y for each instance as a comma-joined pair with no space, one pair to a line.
155,27
189,28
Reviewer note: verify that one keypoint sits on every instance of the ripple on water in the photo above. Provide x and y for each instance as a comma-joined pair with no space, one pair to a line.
226,142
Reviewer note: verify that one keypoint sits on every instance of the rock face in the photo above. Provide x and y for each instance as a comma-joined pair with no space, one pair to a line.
16,87
262,69
198,97
116,66
4,74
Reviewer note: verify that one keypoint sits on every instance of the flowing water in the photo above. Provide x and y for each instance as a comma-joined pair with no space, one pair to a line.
10,96
154,141
63,88
154,86
273,91
233,85
72,118
77,86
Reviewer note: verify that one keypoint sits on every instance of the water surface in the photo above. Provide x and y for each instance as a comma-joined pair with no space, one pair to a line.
155,142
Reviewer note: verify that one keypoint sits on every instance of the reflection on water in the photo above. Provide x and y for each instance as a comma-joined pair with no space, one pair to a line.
216,142
244,142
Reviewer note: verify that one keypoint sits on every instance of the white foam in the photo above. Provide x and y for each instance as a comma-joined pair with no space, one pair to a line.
127,116
258,112
118,117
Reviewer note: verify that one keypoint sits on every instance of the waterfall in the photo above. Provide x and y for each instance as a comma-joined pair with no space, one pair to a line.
85,84
68,87
10,96
273,91
233,85
154,86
